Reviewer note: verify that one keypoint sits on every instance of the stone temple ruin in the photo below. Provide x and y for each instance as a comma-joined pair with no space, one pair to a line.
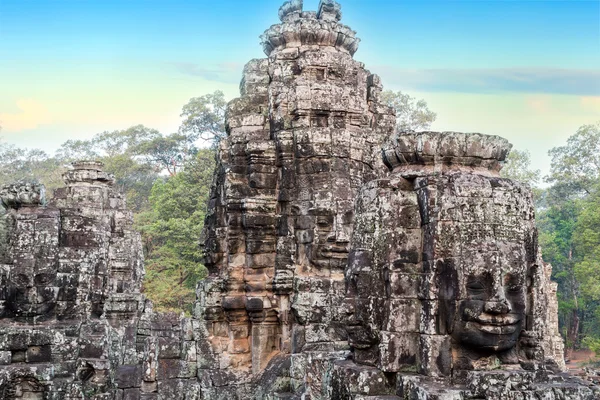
346,261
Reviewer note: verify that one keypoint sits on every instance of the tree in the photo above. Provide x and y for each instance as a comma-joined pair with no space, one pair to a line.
124,141
135,156
170,231
204,117
411,114
74,150
567,236
556,226
31,165
586,241
576,166
518,168
168,153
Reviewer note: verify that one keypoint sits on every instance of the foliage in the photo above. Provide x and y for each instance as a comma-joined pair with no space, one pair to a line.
204,117
592,343
411,114
518,168
118,150
556,225
170,230
569,228
167,152
576,166
34,165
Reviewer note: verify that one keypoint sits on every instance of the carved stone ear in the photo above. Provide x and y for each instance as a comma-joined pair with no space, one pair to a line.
448,293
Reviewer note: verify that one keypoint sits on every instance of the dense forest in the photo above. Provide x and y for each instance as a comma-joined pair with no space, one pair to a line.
166,179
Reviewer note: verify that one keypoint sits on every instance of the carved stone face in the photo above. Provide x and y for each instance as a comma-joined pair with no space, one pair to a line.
491,314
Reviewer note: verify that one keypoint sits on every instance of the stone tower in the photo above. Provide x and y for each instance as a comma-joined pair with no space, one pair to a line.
303,138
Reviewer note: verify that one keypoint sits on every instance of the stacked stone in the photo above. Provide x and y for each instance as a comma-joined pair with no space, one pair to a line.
331,276
68,264
100,251
386,277
302,139
237,299
426,242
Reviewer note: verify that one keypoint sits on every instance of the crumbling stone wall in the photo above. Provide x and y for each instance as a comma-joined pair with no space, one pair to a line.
345,262
73,323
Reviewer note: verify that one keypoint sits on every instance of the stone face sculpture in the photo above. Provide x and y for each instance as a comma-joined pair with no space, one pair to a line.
492,314
22,194
346,262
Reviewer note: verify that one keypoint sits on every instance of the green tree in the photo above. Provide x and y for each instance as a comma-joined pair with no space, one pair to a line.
31,165
116,150
576,166
170,230
168,153
411,114
204,117
518,168
73,150
556,226
566,225
135,156
586,240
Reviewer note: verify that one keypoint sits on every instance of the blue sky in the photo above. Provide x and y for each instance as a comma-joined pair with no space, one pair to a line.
526,70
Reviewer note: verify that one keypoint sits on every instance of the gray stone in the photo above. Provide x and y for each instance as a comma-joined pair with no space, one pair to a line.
345,261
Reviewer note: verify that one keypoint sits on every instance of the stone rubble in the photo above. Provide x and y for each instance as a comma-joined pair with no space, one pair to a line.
346,261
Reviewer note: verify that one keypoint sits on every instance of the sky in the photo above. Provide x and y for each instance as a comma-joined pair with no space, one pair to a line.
525,70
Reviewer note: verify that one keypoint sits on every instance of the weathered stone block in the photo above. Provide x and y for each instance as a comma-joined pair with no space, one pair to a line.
129,376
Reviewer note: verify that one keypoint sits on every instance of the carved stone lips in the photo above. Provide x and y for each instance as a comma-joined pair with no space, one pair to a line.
497,325
486,319
498,330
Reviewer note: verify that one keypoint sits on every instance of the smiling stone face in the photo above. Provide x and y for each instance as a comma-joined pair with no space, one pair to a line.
484,246
484,290
492,315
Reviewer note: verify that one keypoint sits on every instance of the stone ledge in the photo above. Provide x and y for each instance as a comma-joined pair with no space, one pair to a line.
416,151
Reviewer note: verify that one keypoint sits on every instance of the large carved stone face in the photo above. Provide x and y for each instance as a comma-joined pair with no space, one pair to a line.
491,313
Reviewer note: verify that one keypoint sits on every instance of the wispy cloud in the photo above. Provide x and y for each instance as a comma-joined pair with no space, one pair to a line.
31,114
581,82
222,72
591,104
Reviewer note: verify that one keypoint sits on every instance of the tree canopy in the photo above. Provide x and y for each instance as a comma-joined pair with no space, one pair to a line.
411,114
204,117
569,224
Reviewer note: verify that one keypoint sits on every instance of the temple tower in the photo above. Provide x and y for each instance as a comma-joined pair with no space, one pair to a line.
303,138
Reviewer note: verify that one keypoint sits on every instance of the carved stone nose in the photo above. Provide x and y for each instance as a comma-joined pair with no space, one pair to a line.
497,307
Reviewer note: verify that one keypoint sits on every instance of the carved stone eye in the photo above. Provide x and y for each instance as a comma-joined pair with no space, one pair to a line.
513,288
476,287
512,285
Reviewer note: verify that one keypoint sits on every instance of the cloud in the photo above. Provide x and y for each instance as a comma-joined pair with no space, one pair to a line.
581,82
591,104
541,104
223,72
31,115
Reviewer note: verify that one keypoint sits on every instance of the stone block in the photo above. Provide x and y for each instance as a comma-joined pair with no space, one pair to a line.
129,376
5,357
399,352
39,354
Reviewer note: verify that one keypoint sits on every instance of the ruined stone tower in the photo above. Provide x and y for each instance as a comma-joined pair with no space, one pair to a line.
303,138
346,261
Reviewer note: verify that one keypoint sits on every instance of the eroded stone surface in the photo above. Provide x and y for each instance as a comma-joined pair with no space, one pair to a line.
345,262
